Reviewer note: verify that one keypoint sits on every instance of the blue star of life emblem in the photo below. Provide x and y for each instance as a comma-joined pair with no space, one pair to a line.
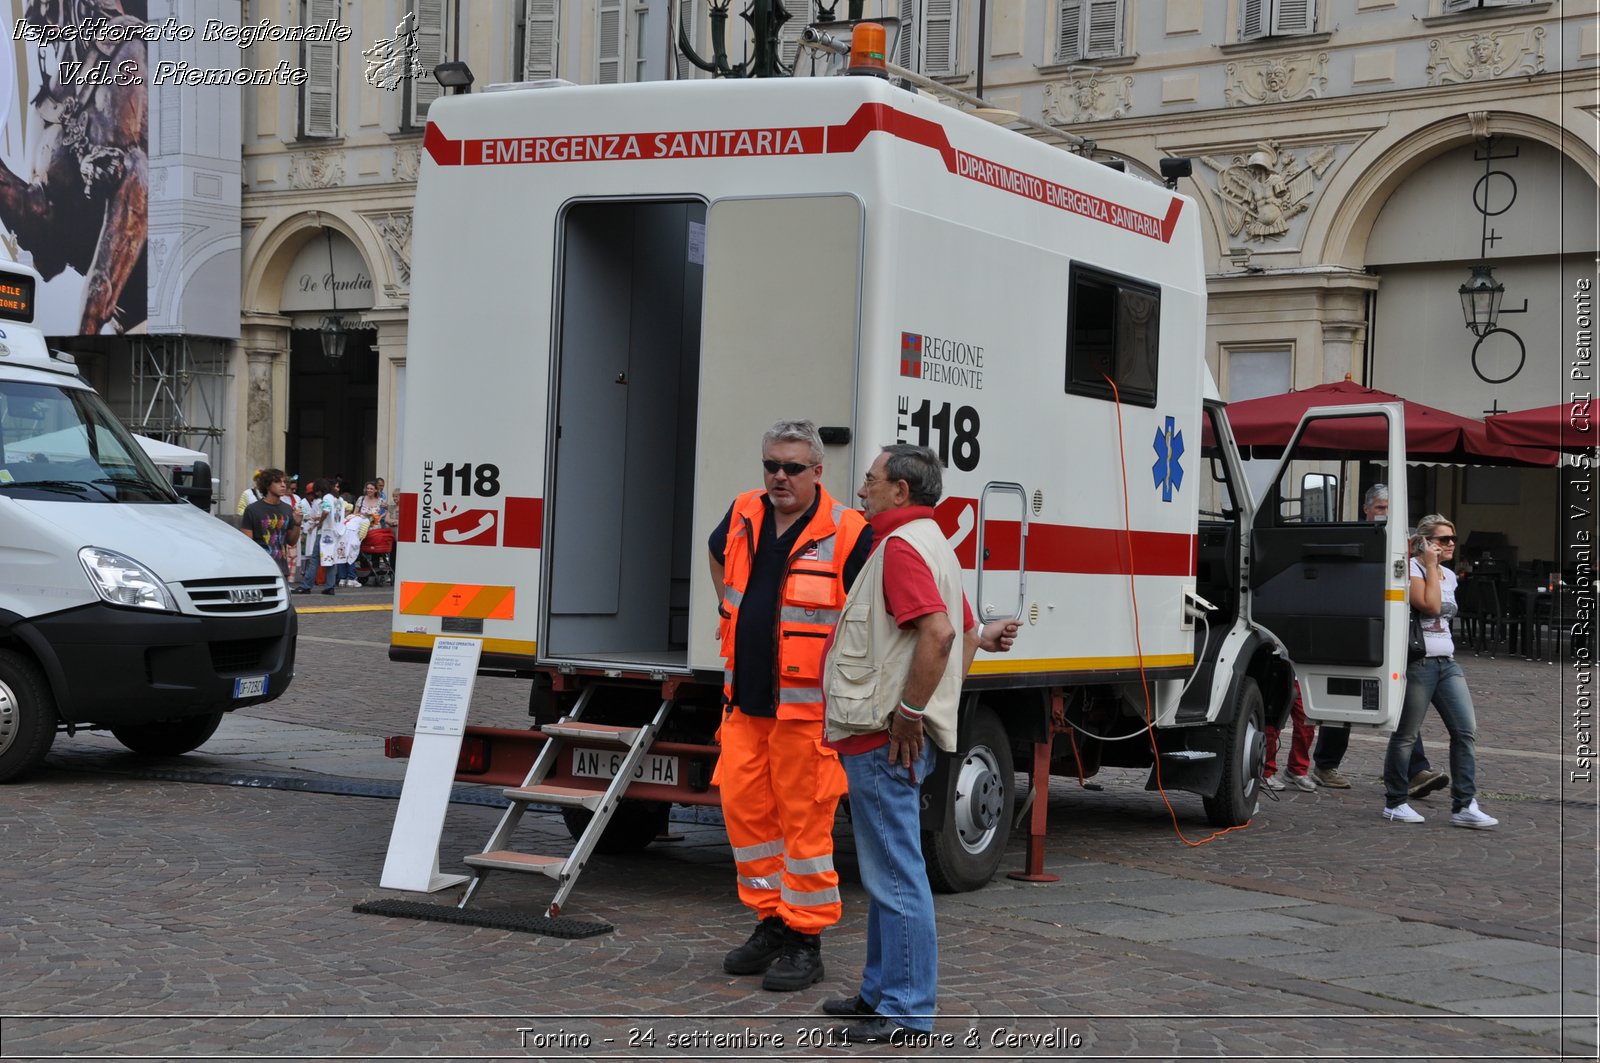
1168,470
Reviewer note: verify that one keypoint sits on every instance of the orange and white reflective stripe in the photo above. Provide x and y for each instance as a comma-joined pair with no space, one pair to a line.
421,640
468,600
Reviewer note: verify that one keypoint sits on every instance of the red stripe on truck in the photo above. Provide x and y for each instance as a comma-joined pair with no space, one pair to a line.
798,140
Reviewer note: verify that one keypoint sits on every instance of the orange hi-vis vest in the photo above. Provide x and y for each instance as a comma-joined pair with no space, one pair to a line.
809,602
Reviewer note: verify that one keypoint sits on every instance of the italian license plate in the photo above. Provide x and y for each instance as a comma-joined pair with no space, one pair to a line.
249,686
603,764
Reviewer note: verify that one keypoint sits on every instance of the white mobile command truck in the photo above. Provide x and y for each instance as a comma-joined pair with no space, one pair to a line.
122,605
617,289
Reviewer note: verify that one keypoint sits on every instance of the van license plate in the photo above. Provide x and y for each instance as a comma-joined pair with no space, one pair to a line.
603,764
250,686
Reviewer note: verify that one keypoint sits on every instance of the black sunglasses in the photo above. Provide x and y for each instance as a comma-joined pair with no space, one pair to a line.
1447,540
793,468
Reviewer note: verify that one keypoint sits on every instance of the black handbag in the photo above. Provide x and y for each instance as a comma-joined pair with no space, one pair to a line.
1416,645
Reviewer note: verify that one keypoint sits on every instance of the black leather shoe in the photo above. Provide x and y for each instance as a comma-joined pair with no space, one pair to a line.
877,1029
848,1006
327,590
798,966
757,954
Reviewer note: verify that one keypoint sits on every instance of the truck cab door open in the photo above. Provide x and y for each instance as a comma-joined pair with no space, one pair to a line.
1329,584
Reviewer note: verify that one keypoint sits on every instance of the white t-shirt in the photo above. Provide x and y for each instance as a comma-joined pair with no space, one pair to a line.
1436,629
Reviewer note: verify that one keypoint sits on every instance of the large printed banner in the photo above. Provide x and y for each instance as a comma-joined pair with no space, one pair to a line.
74,158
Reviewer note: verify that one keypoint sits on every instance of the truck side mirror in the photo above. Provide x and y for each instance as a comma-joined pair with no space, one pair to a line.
1319,498
198,490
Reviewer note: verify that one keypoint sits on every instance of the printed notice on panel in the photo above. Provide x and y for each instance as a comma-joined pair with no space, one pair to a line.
448,692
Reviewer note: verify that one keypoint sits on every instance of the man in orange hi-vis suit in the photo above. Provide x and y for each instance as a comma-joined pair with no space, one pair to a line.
782,560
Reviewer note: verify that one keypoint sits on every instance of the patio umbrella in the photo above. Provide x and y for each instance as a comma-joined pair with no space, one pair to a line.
1264,426
1567,426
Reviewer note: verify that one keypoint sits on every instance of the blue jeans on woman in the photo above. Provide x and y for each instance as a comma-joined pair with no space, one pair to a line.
1439,681
901,977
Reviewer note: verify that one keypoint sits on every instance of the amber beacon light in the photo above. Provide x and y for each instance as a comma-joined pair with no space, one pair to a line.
866,50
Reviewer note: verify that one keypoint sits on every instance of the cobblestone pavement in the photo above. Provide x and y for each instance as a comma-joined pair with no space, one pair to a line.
150,915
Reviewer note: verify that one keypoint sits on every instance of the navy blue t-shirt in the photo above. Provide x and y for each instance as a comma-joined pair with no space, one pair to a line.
756,634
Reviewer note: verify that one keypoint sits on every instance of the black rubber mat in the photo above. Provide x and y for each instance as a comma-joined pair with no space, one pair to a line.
518,921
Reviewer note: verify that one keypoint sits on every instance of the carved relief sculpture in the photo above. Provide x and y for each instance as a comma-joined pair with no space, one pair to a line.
1279,79
1485,56
395,231
407,162
1088,98
317,168
1263,190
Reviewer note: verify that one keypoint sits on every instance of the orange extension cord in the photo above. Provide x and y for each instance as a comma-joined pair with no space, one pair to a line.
1144,682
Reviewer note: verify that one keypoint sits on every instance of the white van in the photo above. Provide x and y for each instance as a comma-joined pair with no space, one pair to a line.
122,605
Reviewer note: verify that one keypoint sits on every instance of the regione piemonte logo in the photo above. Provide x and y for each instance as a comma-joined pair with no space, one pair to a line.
911,354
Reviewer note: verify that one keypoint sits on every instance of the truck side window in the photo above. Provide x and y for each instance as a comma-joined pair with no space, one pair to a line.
1113,330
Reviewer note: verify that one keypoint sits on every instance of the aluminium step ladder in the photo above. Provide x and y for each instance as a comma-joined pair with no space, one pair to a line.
602,804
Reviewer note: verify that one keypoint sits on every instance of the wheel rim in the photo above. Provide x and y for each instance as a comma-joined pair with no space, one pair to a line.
10,721
1252,757
979,799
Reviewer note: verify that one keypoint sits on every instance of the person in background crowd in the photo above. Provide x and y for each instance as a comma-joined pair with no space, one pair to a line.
330,531
310,544
249,494
1299,749
782,560
272,522
1435,679
372,505
354,530
1334,741
293,498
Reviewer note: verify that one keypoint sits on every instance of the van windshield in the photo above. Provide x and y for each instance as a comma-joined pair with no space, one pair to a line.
63,444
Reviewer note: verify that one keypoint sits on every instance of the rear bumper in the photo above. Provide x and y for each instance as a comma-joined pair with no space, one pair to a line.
110,666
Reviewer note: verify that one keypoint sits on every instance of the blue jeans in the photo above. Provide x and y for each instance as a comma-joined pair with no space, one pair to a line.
1436,680
309,565
901,978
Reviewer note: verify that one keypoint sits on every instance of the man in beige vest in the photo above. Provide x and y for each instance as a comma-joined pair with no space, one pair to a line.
892,683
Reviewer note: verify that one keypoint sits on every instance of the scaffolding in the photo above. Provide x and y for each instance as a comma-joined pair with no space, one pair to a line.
179,385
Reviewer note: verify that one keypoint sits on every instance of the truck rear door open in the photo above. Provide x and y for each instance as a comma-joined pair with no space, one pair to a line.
1329,584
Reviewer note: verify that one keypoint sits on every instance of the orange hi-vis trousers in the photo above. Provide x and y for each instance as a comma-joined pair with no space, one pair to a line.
780,786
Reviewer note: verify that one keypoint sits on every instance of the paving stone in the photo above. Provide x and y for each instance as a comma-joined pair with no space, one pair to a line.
1439,989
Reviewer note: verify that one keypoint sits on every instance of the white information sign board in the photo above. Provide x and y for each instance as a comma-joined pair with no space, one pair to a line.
413,860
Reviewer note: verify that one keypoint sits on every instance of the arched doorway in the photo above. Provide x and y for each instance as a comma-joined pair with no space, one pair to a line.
332,424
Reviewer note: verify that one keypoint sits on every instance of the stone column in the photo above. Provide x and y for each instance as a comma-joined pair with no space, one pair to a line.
393,324
264,340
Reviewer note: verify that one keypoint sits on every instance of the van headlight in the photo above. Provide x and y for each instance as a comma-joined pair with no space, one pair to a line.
121,580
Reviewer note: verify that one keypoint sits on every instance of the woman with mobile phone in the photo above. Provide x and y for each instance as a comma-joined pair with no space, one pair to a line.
1435,679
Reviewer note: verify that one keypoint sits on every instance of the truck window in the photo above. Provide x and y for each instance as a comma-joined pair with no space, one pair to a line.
1113,331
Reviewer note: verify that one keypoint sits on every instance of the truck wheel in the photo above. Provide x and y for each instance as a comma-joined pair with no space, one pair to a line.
962,854
1235,801
633,826
168,738
27,716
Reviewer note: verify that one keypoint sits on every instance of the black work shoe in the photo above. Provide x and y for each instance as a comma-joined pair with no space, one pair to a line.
877,1028
848,1006
757,954
798,966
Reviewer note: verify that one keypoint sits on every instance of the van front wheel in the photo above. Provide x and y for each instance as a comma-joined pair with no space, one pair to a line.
169,738
27,716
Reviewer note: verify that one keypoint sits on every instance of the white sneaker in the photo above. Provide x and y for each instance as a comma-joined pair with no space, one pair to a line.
1401,814
1302,782
1473,817
1274,782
